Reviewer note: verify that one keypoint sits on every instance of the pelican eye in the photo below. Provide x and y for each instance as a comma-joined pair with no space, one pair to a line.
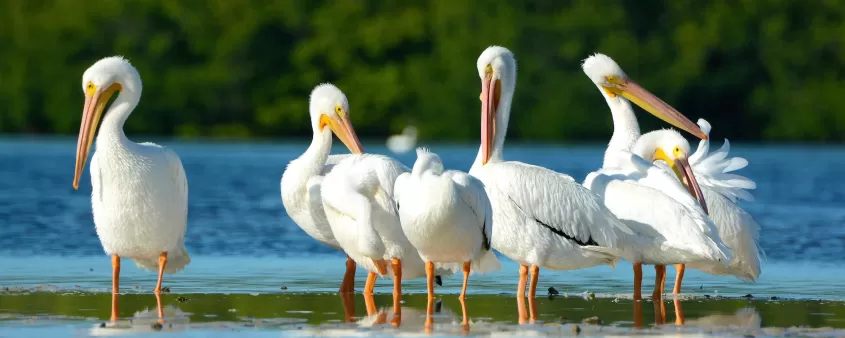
338,110
89,88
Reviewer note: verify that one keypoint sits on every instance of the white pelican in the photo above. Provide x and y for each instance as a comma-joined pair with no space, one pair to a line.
360,207
649,200
541,218
403,143
721,189
303,178
447,217
139,191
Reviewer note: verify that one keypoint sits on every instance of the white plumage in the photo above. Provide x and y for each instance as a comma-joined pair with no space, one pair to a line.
140,192
140,202
541,218
649,200
358,199
303,178
446,215
735,226
360,207
714,169
656,206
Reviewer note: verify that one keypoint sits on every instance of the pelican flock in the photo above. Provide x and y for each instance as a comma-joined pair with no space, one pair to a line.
648,199
652,200
541,218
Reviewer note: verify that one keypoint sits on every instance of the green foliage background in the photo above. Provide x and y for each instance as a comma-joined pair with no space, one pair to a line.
767,70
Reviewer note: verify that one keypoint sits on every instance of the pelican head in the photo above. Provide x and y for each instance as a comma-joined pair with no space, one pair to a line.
609,77
496,68
669,146
329,108
427,162
99,83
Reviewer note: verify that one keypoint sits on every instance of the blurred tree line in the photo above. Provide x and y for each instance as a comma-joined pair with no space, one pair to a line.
756,69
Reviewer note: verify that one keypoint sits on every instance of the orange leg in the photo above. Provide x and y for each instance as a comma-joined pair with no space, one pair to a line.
162,262
679,312
368,293
370,304
638,281
429,276
397,292
679,278
532,292
660,276
115,286
348,284
463,295
370,286
520,293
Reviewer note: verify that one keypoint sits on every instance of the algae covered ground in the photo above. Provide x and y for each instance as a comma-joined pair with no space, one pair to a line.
68,312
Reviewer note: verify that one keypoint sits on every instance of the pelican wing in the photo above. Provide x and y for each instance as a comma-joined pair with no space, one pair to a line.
385,169
331,162
96,178
712,170
177,173
472,193
650,199
556,202
399,187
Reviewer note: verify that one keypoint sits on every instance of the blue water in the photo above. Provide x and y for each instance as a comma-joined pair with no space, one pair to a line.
236,217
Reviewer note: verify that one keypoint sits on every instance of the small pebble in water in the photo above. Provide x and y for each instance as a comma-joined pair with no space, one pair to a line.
165,289
707,296
284,287
773,298
576,329
103,325
157,326
553,291
182,299
90,269
594,320
748,296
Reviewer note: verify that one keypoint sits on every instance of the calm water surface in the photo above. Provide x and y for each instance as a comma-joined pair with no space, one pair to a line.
242,242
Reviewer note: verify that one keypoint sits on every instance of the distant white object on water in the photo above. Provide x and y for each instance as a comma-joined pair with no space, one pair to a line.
404,142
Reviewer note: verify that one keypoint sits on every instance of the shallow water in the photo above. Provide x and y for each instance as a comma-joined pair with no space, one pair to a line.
245,249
